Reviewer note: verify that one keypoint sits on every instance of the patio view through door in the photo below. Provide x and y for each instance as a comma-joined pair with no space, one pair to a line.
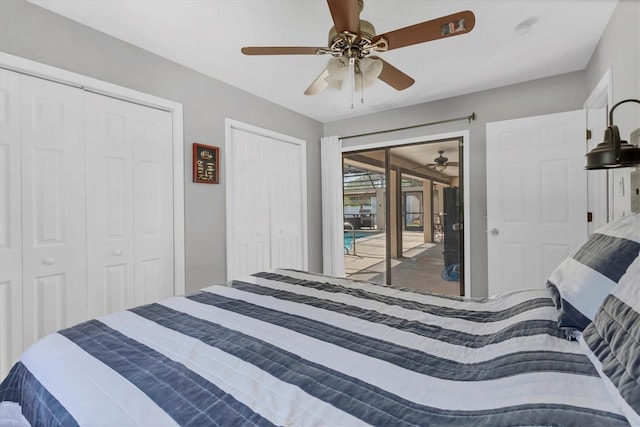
403,216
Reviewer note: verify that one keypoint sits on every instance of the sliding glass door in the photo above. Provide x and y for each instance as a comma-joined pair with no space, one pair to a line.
364,201
403,216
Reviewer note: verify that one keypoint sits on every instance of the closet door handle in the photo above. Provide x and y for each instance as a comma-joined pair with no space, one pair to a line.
117,252
49,261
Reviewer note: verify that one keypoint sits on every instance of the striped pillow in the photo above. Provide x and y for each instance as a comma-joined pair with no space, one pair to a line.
580,284
612,342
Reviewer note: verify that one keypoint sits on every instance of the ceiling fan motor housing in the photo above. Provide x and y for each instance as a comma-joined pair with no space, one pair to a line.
352,45
441,160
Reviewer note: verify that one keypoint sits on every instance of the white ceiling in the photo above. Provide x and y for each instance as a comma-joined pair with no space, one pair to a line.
206,35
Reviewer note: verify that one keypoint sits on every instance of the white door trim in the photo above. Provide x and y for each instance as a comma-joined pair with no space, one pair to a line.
231,124
602,91
58,75
601,96
465,182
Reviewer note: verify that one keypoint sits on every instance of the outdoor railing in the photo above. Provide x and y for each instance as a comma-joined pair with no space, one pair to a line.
353,237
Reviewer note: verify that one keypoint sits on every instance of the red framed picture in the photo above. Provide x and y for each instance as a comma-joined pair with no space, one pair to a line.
205,163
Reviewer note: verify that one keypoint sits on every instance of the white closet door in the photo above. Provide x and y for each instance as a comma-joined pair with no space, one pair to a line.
266,200
109,168
129,204
10,222
286,200
152,203
53,208
248,241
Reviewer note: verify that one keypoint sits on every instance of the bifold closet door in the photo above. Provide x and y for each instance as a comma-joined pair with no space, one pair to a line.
110,250
53,207
153,204
10,222
266,196
250,243
129,204
286,201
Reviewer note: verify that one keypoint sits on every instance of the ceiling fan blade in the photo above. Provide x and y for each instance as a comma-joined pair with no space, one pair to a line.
439,28
318,85
428,170
447,163
393,77
346,15
280,50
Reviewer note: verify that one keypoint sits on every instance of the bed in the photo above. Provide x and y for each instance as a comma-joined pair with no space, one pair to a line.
294,348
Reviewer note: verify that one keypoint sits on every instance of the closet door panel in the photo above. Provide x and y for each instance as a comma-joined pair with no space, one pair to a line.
249,237
152,204
110,236
53,207
286,199
10,222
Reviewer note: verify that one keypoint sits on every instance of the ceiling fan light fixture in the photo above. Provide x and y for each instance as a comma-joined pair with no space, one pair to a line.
367,72
370,68
440,162
338,68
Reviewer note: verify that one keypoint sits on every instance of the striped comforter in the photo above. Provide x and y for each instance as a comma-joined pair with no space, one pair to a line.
293,348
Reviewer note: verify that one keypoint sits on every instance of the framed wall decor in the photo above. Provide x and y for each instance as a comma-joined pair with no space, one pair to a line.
205,163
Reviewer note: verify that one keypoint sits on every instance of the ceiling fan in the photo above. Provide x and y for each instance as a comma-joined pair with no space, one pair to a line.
353,44
440,163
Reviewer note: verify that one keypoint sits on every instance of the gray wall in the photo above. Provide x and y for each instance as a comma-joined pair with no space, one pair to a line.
34,33
618,49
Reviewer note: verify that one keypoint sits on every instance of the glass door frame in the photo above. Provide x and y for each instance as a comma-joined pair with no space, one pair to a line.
398,208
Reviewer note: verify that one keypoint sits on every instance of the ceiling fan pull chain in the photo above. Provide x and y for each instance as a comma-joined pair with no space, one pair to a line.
352,72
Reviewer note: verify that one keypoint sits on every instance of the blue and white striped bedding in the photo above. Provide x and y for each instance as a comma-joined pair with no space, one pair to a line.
294,348
581,283
612,342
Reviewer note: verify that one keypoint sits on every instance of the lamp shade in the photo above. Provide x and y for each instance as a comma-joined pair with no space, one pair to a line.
338,68
369,70
612,152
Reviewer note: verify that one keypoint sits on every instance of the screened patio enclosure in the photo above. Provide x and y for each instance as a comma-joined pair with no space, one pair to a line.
399,214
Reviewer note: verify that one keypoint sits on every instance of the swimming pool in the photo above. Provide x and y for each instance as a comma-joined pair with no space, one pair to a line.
359,234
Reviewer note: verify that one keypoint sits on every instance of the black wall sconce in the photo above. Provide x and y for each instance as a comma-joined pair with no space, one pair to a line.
612,152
